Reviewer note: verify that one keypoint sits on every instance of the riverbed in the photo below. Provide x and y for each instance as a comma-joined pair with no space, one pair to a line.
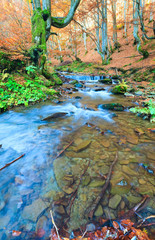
47,177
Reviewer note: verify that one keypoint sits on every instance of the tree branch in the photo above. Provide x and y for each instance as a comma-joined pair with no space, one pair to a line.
64,21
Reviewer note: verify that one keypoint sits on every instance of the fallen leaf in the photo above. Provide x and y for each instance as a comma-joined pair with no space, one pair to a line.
16,233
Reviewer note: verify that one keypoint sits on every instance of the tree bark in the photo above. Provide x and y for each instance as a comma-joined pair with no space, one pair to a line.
41,24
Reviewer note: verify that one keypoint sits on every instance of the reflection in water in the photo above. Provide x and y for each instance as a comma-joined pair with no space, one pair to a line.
31,185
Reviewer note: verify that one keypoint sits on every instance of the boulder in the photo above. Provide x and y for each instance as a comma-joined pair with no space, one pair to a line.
106,81
113,106
55,115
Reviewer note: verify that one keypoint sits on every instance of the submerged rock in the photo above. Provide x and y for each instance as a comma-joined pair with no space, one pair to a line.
31,212
106,81
113,106
99,211
78,85
97,183
114,201
55,115
99,89
82,146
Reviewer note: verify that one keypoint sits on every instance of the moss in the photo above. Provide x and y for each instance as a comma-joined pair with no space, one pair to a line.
8,64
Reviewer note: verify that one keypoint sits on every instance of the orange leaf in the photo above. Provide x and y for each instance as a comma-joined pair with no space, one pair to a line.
116,225
16,233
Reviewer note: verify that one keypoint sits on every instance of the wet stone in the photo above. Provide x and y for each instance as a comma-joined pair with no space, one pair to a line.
99,211
31,212
132,139
142,181
97,183
86,180
55,115
59,209
151,155
82,146
68,190
41,224
134,199
128,170
114,201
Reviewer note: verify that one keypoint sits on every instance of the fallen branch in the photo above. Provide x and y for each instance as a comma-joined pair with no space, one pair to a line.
64,149
8,164
137,208
55,225
144,220
98,199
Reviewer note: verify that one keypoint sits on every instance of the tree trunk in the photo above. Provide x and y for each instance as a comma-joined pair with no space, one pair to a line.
41,22
38,50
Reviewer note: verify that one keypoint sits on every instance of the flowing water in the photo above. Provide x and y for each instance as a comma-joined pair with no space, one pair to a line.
44,179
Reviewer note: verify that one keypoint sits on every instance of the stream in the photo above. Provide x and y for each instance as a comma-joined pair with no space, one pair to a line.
44,179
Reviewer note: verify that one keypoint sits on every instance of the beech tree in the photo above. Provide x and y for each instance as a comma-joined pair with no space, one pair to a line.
41,27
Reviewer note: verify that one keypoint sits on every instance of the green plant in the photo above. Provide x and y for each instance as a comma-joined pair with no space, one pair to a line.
121,88
149,110
30,69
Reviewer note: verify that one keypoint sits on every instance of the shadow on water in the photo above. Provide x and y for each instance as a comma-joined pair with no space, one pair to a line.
39,181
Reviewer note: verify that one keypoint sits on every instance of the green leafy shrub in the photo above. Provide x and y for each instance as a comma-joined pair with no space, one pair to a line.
149,111
120,89
13,93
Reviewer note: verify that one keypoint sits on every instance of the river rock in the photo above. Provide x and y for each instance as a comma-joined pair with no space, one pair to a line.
128,171
114,201
139,131
151,155
142,181
31,212
86,180
146,189
90,227
99,89
82,146
138,93
105,143
134,199
106,81
113,106
55,115
50,194
99,211
41,224
97,183
59,209
132,139
68,190
129,95
78,85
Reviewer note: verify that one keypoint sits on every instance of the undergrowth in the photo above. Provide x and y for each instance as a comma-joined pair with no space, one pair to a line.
31,90
147,111
76,66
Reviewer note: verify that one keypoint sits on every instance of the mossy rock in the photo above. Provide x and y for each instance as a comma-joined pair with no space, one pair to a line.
113,106
106,81
119,89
